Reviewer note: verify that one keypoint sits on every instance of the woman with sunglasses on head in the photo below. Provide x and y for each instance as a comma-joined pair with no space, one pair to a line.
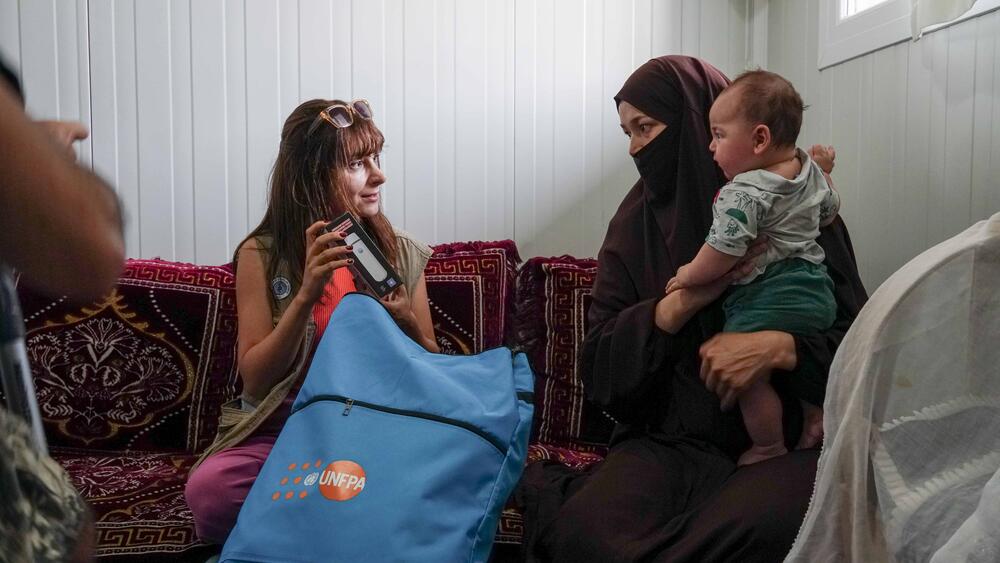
290,275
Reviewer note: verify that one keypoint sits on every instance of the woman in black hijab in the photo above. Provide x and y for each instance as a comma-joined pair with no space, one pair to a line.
669,489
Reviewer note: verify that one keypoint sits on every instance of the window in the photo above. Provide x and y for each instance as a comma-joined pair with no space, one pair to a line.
851,28
850,7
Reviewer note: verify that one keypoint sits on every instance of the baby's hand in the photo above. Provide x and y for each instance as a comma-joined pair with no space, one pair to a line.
823,156
673,285
679,281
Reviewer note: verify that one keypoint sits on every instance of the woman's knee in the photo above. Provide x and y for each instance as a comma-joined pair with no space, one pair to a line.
214,498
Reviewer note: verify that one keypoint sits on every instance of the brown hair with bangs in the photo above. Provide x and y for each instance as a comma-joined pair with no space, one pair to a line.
307,185
768,98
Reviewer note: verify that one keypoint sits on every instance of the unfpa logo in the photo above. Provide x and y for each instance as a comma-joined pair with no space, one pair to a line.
340,480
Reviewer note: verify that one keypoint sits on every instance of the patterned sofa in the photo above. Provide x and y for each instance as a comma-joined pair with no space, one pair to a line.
130,385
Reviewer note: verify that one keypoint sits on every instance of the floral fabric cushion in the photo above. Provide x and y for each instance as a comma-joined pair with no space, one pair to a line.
470,286
550,323
145,367
137,500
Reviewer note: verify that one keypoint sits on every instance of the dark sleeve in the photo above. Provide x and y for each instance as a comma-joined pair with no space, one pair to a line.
815,351
624,352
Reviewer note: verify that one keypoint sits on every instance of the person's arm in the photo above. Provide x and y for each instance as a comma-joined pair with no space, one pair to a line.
630,341
824,156
413,314
734,230
624,350
707,267
266,351
62,225
830,206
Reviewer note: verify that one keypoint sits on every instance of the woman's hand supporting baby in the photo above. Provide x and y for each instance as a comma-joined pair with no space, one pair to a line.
731,362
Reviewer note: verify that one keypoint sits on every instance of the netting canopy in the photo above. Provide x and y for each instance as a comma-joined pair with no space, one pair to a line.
909,469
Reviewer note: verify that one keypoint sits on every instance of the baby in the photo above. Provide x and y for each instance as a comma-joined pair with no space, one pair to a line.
782,192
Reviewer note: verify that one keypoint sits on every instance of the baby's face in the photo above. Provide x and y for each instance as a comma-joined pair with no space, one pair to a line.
732,136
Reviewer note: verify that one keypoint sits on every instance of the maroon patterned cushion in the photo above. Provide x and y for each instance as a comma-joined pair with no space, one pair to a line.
137,499
574,459
553,295
470,286
510,528
145,367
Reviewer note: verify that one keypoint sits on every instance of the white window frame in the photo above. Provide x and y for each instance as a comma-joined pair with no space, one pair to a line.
873,29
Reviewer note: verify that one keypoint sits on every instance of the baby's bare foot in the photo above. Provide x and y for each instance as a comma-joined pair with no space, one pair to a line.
757,453
812,427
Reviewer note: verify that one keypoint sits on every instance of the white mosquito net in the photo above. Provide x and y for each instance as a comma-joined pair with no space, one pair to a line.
909,469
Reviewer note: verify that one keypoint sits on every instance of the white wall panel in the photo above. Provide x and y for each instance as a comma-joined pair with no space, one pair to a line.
39,57
446,121
597,106
471,125
181,128
155,97
237,127
264,116
498,115
114,117
499,135
209,138
543,127
986,131
669,16
419,134
288,59
916,127
691,31
10,33
394,76
568,141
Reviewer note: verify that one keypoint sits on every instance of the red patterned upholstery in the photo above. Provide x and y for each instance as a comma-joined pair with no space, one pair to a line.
129,387
145,367
470,286
138,499
553,295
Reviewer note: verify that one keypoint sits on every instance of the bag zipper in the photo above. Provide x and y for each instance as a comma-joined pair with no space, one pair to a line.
349,404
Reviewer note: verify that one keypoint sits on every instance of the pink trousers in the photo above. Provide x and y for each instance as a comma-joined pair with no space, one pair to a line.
216,490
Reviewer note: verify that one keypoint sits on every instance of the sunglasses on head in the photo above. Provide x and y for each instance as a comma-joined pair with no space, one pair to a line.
341,115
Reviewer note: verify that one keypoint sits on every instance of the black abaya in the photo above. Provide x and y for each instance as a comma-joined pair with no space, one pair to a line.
669,489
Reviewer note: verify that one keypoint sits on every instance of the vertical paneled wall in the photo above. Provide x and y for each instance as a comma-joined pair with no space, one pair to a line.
916,127
497,113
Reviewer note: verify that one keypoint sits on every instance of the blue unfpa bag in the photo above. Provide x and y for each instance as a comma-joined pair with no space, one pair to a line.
391,453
